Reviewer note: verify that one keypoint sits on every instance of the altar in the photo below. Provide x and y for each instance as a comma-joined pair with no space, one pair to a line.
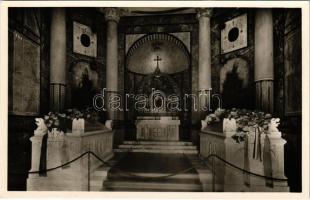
162,128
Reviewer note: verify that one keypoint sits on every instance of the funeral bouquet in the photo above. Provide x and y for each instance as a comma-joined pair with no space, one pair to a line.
63,121
87,114
217,116
247,121
55,120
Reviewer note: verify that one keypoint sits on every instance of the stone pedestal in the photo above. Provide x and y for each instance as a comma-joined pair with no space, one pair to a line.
277,157
35,153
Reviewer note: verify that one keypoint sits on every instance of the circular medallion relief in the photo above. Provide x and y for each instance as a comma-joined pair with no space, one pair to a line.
233,34
85,40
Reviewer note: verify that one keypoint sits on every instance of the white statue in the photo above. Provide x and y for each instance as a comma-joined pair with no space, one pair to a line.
229,125
219,112
41,129
78,126
209,119
273,125
204,124
109,124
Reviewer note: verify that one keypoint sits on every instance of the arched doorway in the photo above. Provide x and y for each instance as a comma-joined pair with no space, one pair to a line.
161,62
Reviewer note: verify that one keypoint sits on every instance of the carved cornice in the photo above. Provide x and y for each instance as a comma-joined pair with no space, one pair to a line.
204,12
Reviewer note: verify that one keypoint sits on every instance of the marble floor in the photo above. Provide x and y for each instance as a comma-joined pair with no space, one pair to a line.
140,172
152,162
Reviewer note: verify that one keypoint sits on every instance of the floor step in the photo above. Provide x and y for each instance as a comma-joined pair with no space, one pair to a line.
204,173
171,172
188,178
101,173
150,146
150,186
181,143
166,151
96,188
96,183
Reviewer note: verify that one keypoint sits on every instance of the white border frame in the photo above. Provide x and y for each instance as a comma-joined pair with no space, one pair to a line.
304,5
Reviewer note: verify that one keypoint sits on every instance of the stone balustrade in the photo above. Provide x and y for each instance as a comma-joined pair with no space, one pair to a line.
269,161
63,148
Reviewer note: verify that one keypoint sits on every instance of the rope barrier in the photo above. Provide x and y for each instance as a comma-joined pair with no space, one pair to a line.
63,165
109,165
158,177
145,177
243,170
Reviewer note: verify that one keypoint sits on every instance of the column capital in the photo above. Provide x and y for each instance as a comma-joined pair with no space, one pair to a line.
112,14
204,12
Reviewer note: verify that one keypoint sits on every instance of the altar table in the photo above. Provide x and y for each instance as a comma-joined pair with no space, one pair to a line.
162,128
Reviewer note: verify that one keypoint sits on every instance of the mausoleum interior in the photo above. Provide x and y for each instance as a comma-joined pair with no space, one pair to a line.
154,99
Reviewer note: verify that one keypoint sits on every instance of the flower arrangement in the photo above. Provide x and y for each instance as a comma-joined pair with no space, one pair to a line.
87,114
247,121
63,121
55,120
217,116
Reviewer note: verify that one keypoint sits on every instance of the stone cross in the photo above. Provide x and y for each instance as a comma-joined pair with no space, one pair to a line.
156,132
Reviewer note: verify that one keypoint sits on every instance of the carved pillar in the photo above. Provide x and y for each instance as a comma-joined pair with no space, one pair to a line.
204,62
112,16
264,59
277,157
36,142
58,59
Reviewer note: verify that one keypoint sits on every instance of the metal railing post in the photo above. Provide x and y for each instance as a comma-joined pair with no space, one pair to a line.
88,166
213,175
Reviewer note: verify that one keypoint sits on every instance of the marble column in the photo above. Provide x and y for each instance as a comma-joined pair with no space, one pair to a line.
112,16
263,72
204,62
58,60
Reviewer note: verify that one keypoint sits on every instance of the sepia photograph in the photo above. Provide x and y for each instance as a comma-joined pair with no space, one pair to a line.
201,99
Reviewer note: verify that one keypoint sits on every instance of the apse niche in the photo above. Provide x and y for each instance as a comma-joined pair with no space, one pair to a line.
162,50
158,62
